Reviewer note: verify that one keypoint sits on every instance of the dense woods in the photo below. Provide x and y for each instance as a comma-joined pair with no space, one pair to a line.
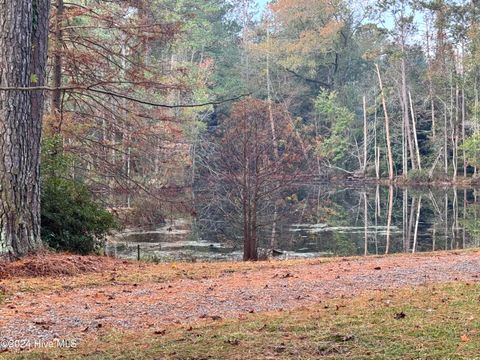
219,107
239,179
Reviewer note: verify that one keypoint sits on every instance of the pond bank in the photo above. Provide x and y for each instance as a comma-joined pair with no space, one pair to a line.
151,298
440,183
321,220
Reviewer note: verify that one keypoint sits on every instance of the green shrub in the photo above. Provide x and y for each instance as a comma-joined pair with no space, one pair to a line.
71,219
418,176
472,149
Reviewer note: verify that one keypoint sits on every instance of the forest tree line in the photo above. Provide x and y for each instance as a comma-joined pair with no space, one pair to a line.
156,97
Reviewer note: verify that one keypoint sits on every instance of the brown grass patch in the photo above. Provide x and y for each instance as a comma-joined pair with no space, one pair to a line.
55,265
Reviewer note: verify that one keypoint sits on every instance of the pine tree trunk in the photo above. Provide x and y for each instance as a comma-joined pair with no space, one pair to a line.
23,55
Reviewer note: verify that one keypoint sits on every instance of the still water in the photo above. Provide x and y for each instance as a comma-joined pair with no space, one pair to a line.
317,220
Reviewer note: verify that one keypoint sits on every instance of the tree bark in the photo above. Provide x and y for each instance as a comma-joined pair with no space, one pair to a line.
23,55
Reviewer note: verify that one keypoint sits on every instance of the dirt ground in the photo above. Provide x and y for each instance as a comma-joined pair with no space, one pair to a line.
107,294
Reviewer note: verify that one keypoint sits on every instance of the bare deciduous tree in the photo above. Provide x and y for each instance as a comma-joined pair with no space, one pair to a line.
246,173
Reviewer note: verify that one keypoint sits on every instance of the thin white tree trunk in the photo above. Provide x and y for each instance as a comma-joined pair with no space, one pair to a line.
415,137
389,218
387,126
365,136
365,220
445,137
377,150
415,234
404,219
274,135
463,131
377,207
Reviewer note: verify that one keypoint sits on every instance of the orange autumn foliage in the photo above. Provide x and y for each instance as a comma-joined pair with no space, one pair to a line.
303,29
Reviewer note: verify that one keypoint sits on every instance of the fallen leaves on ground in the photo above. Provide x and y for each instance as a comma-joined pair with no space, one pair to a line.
139,296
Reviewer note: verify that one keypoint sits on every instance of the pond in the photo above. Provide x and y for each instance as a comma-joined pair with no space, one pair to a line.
320,220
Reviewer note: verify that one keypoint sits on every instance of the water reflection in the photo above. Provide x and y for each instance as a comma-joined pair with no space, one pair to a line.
317,220
383,220
175,240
